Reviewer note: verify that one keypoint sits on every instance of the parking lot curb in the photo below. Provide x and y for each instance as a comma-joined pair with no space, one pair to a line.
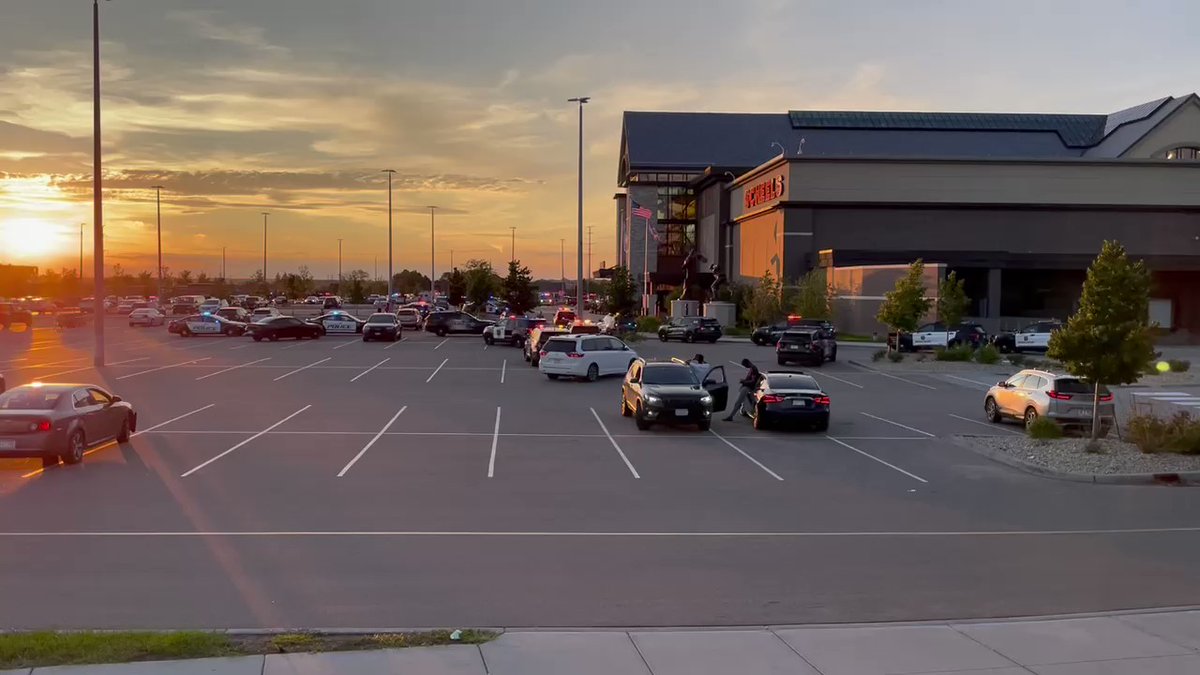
1174,478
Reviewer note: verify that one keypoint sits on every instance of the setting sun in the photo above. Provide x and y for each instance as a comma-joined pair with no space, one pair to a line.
28,238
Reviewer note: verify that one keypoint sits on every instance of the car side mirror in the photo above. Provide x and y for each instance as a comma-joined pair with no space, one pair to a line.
116,399
1003,384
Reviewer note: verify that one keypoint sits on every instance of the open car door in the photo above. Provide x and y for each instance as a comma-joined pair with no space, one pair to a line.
717,387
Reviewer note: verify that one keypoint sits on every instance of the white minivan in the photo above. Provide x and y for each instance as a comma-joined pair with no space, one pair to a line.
584,356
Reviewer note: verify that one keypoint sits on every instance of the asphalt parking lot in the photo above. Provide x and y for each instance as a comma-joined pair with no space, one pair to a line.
336,483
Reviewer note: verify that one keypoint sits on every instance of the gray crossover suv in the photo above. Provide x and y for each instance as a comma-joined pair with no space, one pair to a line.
1038,393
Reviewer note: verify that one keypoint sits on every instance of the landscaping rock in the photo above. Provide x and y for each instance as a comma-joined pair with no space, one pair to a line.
1067,455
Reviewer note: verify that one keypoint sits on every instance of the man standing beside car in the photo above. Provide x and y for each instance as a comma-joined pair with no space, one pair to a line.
749,382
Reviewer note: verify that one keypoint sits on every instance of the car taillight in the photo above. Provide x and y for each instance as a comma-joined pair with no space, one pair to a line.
542,353
1105,398
40,425
772,398
574,355
821,400
1058,396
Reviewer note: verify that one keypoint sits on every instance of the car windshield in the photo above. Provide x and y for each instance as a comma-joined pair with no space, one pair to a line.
799,338
669,374
785,381
382,318
31,398
1068,385
559,346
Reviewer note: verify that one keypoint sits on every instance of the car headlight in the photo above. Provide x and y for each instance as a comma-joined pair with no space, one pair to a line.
706,399
653,400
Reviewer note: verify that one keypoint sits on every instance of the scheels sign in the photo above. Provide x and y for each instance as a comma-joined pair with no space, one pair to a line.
766,191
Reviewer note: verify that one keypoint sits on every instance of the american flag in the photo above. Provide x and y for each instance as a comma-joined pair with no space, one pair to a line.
641,212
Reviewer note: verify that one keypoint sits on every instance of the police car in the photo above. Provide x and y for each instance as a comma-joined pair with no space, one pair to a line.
206,324
512,330
339,322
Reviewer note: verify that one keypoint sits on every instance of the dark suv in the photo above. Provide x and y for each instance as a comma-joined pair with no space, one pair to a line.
769,335
806,346
445,323
690,329
670,393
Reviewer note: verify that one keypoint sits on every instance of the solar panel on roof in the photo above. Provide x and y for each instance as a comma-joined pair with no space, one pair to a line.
1075,130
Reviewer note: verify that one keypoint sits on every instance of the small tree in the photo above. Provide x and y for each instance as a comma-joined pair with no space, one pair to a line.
620,296
358,280
457,287
1108,341
904,306
185,277
952,300
481,282
810,298
146,283
519,290
763,304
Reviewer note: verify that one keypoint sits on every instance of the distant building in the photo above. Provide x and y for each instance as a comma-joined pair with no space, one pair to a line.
1016,204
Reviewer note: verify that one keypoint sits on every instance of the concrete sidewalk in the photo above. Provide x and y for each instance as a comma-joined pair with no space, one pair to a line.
1141,643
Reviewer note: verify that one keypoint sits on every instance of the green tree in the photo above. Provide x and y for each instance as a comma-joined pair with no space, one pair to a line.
1107,340
146,283
358,282
304,282
456,287
409,282
905,305
764,304
810,297
518,289
620,296
952,300
185,277
481,281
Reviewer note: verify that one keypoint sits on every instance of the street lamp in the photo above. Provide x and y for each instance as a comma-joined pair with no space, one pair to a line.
339,266
79,273
432,260
390,173
264,215
562,262
223,277
97,196
579,250
158,207
514,242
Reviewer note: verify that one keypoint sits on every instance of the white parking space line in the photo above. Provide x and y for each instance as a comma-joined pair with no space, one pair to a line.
869,455
299,343
52,363
614,444
155,370
439,345
997,427
913,382
47,376
485,346
210,461
503,369
226,370
495,440
370,442
173,419
396,343
314,363
902,426
746,455
240,346
974,383
346,343
835,377
355,378
439,369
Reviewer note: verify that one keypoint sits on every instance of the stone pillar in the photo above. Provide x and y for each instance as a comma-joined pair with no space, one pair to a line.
993,300
723,312
684,308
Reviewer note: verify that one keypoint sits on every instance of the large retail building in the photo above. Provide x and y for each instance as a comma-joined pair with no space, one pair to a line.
1016,204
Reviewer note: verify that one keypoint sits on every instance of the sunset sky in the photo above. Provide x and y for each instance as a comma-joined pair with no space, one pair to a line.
294,106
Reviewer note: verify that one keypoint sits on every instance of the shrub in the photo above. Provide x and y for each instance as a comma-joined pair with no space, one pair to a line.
1017,360
648,324
1179,365
878,355
988,355
1150,433
1044,428
958,353
632,337
895,357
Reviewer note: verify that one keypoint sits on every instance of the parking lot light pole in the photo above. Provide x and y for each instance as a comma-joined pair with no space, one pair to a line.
223,277
513,229
579,249
432,260
562,263
79,273
391,289
97,197
339,266
265,283
158,208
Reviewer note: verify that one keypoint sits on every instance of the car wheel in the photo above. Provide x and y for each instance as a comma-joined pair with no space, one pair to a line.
552,376
274,337
74,448
642,423
123,434
488,340
593,373
662,336
258,338
441,332
688,337
625,411
782,362
756,340
1030,417
833,356
991,412
705,425
713,341
760,420
131,324
823,425
185,332
366,339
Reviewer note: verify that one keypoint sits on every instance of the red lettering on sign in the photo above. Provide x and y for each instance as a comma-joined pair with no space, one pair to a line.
764,192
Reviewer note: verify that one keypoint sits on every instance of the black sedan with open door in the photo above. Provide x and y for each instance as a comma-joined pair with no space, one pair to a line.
281,327
53,421
790,398
672,393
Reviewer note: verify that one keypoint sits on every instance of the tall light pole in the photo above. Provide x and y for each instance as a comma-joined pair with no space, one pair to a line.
513,229
432,260
562,263
264,215
390,173
97,196
223,277
590,269
79,273
158,208
579,250
339,266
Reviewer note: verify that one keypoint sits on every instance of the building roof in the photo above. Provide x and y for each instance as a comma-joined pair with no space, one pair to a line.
674,140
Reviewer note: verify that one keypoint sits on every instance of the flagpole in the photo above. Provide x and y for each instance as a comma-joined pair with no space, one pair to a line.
646,264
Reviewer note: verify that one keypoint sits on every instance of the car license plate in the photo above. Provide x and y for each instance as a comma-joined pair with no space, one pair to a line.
681,412
8,444
799,403
794,347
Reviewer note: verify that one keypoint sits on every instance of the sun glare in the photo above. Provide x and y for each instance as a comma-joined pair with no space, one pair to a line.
28,238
